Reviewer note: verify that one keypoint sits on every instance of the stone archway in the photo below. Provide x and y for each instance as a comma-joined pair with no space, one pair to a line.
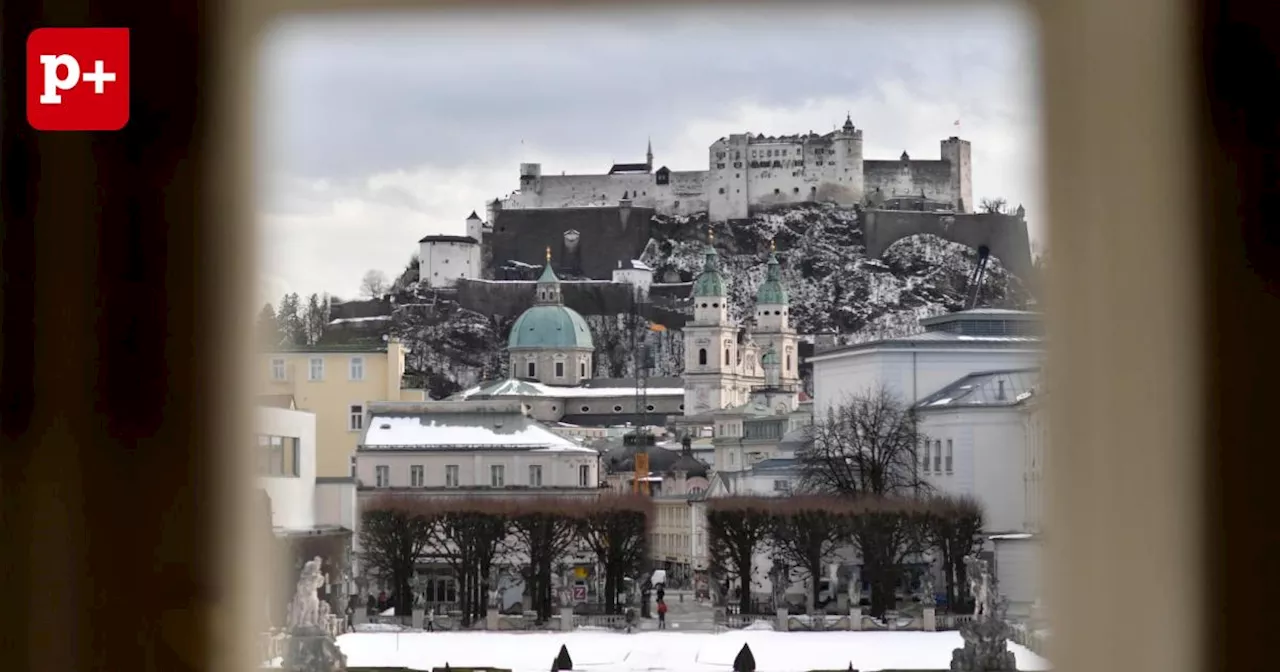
1004,235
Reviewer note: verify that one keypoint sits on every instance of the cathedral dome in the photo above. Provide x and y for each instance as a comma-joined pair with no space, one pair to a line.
548,327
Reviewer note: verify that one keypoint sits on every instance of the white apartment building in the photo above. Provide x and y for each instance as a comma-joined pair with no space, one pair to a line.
952,346
976,444
448,448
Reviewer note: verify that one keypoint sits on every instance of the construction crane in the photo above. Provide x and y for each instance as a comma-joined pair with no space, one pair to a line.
976,277
642,359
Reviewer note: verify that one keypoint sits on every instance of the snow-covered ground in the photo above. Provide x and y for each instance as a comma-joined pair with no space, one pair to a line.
664,651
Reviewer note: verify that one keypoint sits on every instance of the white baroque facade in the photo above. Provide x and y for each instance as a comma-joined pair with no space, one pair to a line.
747,171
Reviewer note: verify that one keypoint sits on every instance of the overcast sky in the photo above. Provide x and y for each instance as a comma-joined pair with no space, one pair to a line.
376,132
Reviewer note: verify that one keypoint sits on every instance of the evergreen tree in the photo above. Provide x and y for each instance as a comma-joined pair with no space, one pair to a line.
268,327
290,320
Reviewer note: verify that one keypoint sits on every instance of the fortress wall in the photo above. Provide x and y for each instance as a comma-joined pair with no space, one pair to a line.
607,235
909,178
569,191
510,299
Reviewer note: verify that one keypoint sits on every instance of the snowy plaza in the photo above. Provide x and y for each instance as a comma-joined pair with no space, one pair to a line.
664,651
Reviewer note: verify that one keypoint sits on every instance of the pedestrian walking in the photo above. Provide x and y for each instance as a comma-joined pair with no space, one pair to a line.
662,615
431,620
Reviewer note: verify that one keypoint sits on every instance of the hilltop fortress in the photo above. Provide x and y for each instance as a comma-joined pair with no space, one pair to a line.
746,172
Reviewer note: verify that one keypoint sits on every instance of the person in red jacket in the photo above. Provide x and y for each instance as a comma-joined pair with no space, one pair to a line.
662,615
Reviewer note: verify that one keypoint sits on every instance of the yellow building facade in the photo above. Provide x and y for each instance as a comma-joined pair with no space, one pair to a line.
336,383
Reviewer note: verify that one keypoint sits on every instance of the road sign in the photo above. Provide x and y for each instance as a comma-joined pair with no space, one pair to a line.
580,572
580,593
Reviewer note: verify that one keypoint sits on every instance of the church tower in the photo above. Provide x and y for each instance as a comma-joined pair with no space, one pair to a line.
648,156
773,326
711,342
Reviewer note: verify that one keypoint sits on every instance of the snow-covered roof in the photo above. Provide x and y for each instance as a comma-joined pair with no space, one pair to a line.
1012,537
513,387
462,429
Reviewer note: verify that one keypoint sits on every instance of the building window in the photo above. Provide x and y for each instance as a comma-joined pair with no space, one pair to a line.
497,476
535,475
316,369
702,356
584,475
451,476
559,369
415,476
586,409
355,419
382,474
726,356
357,368
949,460
722,188
532,369
277,368
617,409
925,461
515,370
937,456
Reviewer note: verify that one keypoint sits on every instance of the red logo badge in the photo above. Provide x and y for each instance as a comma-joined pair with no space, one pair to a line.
78,79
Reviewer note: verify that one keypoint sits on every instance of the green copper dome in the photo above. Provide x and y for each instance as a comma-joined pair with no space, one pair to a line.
550,327
549,324
772,291
709,282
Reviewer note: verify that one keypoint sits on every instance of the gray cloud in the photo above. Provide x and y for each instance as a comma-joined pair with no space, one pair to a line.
357,97
377,131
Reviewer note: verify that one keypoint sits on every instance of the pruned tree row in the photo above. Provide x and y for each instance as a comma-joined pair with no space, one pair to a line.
808,531
472,535
863,488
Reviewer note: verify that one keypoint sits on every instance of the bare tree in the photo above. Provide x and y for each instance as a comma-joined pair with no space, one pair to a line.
545,530
954,525
393,536
738,527
616,528
867,446
466,536
996,206
374,284
807,531
887,531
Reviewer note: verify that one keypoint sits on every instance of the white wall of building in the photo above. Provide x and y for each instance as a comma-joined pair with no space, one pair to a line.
474,468
913,374
1018,570
336,503
987,448
443,263
292,497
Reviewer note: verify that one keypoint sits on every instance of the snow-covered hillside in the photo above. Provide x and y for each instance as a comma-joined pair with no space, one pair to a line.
835,290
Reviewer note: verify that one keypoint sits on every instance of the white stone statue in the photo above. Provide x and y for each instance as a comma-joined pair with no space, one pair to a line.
305,609
980,587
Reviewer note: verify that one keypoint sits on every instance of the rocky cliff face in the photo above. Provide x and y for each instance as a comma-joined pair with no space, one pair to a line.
836,290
